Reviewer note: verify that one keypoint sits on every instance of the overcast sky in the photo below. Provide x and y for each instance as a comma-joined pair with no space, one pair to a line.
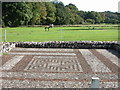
94,5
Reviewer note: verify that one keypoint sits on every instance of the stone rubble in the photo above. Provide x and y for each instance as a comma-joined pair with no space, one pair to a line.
6,46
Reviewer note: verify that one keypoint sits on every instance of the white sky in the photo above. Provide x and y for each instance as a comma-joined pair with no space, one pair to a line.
94,5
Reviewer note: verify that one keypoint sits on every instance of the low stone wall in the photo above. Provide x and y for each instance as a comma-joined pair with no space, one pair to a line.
69,44
6,46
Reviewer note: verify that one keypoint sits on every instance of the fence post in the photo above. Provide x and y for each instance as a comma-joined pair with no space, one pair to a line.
4,35
95,83
60,34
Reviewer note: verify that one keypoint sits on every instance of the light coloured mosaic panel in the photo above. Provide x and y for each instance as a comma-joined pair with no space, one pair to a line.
54,64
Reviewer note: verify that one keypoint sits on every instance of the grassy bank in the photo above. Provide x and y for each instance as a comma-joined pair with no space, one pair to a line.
67,34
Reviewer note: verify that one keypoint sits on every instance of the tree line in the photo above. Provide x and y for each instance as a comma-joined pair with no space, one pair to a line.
45,13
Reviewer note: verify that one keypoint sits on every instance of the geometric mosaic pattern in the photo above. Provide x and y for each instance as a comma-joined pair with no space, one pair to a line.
54,64
94,62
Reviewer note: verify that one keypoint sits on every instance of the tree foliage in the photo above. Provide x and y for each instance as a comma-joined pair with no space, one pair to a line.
42,13
16,14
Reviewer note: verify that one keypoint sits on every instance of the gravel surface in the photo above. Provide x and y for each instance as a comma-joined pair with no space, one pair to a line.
76,76
43,84
53,84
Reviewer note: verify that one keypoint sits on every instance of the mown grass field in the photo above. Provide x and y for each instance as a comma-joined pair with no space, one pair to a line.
38,34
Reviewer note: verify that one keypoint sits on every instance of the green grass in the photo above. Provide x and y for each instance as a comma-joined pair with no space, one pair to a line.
68,34
4,53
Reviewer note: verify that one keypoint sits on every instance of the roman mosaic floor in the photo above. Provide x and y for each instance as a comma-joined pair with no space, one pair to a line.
59,68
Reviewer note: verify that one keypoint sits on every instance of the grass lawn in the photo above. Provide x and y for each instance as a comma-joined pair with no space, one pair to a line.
38,34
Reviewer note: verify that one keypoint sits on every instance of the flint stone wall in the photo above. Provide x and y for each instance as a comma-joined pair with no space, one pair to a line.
117,47
70,44
7,46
